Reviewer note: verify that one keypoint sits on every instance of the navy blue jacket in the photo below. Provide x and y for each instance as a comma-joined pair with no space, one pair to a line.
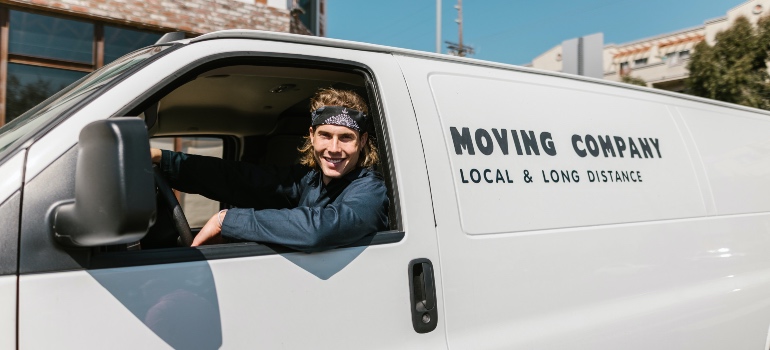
290,206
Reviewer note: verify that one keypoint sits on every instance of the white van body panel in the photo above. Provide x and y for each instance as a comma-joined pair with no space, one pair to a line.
592,265
8,312
735,156
292,300
11,172
82,309
502,176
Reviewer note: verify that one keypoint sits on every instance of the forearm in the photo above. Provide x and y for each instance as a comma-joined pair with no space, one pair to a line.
306,228
236,183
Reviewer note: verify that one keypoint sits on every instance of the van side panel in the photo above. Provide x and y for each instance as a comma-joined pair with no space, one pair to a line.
10,201
581,264
734,151
8,312
11,172
9,217
9,234
735,154
590,159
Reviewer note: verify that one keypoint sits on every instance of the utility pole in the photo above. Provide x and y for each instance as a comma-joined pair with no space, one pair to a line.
458,49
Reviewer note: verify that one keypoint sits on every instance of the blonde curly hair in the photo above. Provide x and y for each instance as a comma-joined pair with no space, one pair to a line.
369,156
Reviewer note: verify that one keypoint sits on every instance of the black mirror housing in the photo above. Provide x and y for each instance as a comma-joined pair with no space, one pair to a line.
114,187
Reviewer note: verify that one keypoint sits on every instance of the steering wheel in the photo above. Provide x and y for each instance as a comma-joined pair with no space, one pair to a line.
181,225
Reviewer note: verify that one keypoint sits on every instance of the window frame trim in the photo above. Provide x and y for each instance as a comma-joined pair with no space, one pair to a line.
111,260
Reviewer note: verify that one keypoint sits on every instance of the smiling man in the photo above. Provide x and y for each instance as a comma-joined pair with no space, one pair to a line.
333,196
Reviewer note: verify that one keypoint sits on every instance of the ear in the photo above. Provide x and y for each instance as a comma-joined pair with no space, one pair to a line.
364,139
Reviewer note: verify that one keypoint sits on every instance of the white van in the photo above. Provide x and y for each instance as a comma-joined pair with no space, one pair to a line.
529,210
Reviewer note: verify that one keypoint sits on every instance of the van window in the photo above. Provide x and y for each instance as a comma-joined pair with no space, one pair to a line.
198,209
264,112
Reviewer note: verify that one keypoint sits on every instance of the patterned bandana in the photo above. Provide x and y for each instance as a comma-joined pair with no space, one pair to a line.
338,115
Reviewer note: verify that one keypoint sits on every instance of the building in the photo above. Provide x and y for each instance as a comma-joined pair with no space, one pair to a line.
47,44
661,61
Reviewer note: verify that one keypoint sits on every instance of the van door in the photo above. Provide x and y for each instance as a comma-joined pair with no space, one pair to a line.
238,295
11,171
571,215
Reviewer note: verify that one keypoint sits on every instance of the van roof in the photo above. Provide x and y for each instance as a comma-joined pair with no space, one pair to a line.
353,45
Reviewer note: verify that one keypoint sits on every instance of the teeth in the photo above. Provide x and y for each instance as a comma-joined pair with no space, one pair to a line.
333,161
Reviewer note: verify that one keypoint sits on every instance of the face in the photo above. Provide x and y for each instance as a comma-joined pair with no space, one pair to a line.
336,149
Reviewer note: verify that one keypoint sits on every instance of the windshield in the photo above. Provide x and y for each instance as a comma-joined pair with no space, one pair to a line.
55,105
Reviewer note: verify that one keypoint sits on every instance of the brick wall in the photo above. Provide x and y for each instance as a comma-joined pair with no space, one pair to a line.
192,16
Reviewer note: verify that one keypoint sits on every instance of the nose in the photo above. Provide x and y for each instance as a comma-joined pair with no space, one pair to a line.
334,145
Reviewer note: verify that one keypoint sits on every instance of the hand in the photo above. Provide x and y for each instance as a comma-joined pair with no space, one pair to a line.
155,154
211,233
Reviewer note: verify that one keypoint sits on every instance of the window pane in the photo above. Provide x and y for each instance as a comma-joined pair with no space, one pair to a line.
30,85
308,18
197,209
119,41
51,37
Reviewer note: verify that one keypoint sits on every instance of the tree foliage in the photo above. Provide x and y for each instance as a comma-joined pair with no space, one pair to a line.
633,80
734,69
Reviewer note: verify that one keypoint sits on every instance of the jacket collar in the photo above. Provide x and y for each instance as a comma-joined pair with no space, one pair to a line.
346,179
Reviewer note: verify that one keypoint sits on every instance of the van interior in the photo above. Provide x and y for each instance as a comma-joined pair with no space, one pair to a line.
246,110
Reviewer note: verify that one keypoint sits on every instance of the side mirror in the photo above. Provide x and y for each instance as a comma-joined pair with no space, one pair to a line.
114,187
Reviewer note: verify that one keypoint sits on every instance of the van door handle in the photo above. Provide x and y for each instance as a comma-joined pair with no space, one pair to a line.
422,294
429,286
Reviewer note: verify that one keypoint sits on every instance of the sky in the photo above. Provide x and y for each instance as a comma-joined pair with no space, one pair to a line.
514,31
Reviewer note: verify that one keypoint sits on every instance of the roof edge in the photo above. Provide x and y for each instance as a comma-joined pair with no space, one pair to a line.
353,45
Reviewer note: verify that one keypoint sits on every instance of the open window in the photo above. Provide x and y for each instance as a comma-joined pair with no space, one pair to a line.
253,110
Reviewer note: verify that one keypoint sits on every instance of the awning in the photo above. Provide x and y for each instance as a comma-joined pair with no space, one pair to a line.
679,43
632,53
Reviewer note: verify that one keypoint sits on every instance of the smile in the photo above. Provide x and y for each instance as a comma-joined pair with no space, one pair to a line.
334,160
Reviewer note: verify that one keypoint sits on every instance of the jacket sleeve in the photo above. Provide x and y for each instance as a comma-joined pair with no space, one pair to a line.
237,183
361,209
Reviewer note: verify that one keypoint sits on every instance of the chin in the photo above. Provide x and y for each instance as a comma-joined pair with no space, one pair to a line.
333,175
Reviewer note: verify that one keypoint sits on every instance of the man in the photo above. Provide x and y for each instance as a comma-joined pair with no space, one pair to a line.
333,196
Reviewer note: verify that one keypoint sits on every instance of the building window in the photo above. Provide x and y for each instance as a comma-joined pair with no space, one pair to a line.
50,37
309,17
45,53
625,68
676,58
120,41
640,62
28,85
